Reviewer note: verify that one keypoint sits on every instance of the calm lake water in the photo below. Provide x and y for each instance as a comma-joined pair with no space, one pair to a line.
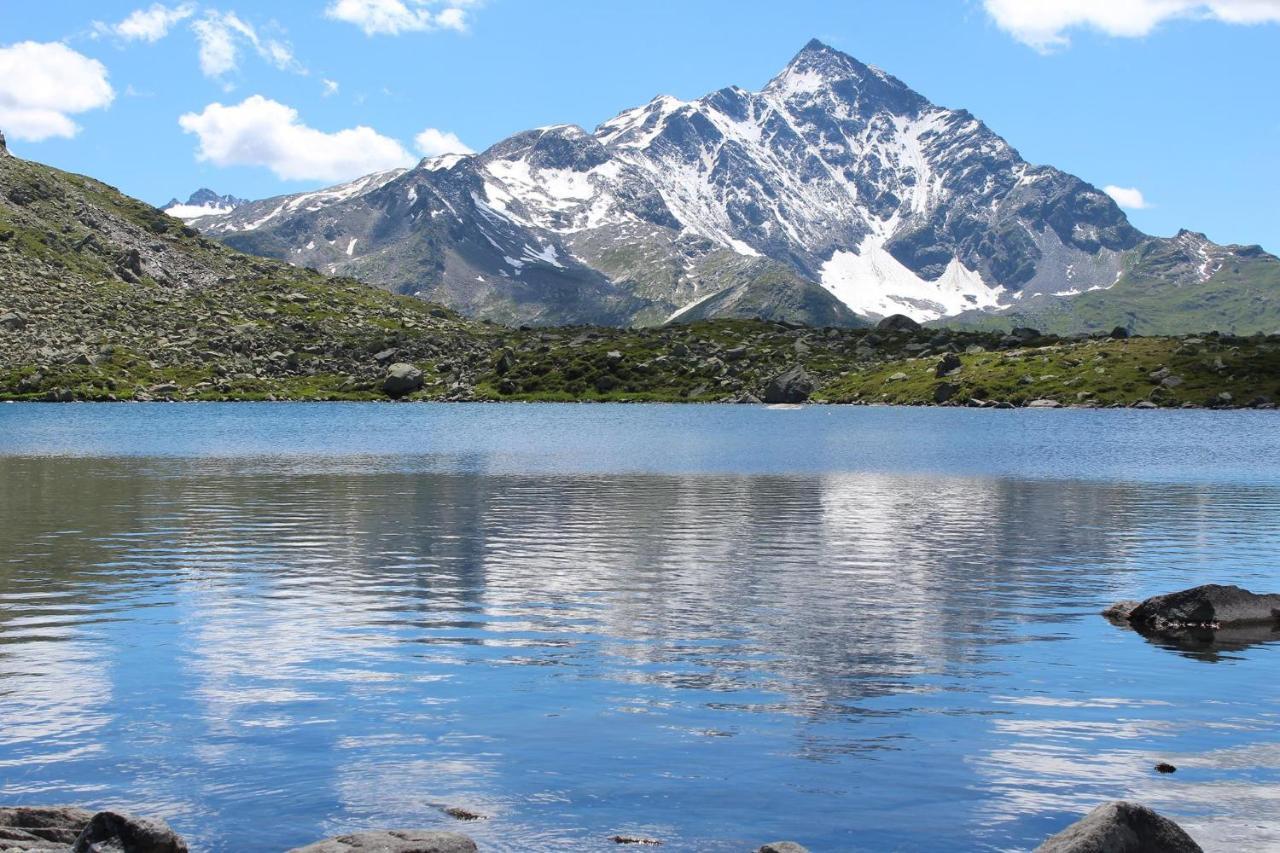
860,629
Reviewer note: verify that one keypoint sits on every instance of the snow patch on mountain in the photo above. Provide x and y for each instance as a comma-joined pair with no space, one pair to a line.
196,211
874,283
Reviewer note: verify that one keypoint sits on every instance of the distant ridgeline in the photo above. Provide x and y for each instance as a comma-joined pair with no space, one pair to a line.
834,196
103,297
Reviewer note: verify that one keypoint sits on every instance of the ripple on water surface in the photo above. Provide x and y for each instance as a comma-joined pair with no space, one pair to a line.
269,650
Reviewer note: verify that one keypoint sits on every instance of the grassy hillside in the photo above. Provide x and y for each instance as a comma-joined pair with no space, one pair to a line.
104,297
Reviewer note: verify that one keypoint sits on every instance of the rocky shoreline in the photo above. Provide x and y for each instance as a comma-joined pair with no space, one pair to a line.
445,359
1118,827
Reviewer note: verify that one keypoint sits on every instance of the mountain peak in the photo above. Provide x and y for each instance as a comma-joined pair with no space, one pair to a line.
203,202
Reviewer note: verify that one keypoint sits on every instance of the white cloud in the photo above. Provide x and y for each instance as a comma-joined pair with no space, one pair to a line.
1130,198
435,143
221,35
392,17
43,85
262,132
149,25
331,87
1043,24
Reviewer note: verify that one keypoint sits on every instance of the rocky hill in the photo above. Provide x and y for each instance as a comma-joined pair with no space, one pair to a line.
102,297
835,195
105,298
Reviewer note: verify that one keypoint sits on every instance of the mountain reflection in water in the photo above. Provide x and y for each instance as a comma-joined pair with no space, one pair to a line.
859,661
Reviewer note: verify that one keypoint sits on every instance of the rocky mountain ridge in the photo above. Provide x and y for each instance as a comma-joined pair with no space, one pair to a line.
203,202
833,196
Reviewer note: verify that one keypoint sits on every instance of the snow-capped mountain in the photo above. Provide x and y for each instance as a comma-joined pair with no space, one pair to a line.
835,193
203,202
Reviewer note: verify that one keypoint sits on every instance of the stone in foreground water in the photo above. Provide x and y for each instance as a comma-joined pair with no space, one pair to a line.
1121,827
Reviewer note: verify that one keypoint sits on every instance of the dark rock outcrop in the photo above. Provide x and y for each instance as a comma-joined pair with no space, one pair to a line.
898,323
112,832
1211,606
793,386
1121,827
41,828
394,841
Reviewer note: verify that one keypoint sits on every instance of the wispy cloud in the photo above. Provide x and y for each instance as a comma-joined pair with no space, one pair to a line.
435,143
1130,198
222,35
1045,24
267,133
149,25
43,84
393,17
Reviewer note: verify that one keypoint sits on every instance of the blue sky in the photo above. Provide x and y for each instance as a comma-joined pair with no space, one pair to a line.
1174,98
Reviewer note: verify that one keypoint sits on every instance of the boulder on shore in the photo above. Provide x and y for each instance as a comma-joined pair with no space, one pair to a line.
793,386
1209,606
402,379
1121,827
394,841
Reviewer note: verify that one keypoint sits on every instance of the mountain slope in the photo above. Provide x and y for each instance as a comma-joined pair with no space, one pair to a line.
835,172
108,296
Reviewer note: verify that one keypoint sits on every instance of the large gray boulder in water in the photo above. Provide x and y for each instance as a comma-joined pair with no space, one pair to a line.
793,386
1209,606
110,832
41,828
783,847
394,841
1121,827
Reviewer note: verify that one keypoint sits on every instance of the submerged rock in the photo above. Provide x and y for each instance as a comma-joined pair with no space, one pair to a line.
394,841
783,847
1121,827
793,386
48,828
111,832
1210,606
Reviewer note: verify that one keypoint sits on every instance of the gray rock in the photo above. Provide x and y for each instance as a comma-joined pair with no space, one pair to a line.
1044,404
394,841
1121,827
899,323
950,364
944,392
898,377
792,386
783,847
1171,381
112,832
1209,605
1025,333
401,380
1121,610
47,828
13,321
